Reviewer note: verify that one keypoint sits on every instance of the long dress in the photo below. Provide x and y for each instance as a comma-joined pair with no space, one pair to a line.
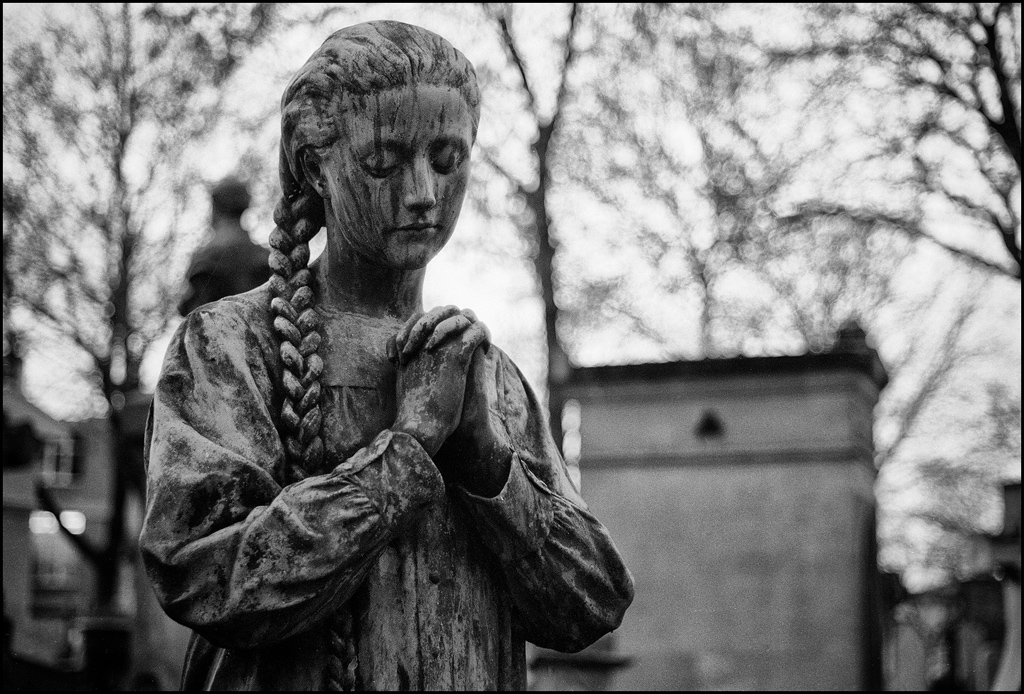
444,586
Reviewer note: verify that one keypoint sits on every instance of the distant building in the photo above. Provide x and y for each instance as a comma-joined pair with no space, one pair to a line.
740,492
967,635
50,622
47,583
56,639
1006,568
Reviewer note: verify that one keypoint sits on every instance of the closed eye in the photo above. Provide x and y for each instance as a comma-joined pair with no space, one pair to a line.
446,156
382,162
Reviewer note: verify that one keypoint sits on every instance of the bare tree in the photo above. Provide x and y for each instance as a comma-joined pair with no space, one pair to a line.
718,159
535,192
657,151
950,73
103,105
685,130
939,85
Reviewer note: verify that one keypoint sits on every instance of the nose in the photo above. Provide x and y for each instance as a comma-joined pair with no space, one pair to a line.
420,193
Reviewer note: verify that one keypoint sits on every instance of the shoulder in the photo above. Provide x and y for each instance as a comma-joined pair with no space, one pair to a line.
239,325
232,316
251,307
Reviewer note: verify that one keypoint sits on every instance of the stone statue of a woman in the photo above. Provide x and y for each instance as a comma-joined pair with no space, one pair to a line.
345,491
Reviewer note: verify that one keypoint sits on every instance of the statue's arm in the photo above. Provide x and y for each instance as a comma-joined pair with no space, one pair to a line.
231,553
567,579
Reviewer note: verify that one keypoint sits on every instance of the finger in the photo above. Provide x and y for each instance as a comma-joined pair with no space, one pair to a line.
468,313
425,326
474,383
473,337
403,332
446,329
392,350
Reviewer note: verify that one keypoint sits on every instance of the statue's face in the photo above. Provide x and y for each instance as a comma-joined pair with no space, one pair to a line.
395,180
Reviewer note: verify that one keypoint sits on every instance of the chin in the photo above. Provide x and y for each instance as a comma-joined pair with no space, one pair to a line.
411,259
414,255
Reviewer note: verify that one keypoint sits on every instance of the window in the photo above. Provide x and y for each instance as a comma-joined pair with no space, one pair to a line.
59,461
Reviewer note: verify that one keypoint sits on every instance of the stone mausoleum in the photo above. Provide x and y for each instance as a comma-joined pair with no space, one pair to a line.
740,492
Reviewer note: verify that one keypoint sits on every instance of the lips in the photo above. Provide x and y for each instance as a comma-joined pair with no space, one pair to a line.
417,226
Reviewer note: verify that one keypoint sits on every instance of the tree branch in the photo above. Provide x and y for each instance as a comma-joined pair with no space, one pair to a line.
59,324
943,521
906,227
488,158
942,365
517,61
1008,128
569,53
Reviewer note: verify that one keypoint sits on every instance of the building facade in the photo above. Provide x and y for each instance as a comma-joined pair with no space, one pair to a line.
740,492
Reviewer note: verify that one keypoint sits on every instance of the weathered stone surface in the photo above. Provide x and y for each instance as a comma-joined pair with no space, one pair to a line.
346,491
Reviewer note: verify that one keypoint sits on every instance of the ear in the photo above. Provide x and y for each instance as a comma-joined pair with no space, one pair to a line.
312,171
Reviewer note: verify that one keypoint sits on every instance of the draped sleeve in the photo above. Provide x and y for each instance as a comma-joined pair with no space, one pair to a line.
568,582
232,551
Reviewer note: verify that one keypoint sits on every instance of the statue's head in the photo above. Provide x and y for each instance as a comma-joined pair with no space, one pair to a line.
378,125
376,131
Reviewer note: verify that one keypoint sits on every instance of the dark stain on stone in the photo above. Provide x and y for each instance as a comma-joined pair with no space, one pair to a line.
403,678
204,498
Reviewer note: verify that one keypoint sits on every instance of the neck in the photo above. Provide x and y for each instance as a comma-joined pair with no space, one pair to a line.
352,283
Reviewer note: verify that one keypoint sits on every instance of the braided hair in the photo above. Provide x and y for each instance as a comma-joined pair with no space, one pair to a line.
355,61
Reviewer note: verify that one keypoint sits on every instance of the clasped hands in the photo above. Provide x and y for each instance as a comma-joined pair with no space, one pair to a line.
447,397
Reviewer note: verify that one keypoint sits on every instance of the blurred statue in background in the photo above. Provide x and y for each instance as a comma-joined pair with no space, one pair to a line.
229,263
346,491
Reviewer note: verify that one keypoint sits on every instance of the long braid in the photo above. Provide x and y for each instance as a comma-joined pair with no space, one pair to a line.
299,217
298,327
342,660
